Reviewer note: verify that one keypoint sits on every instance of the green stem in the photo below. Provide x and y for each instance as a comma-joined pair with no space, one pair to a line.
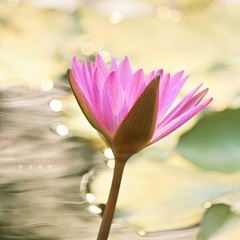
112,200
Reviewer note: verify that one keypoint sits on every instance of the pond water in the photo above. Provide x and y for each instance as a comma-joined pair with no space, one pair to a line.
44,177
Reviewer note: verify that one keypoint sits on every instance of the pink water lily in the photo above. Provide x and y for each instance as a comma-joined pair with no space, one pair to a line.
130,111
107,98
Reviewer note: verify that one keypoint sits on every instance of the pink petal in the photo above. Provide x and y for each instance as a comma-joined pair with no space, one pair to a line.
91,71
176,78
192,102
99,62
85,105
149,78
88,81
113,102
173,93
178,108
114,64
163,94
115,68
160,72
77,68
133,88
178,122
108,115
125,72
98,84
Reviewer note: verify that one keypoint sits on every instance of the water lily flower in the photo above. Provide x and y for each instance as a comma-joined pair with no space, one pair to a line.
127,109
130,111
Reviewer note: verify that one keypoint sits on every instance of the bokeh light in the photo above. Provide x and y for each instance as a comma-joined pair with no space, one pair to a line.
95,209
98,44
111,163
176,16
106,56
47,85
108,153
141,233
164,12
207,204
62,130
56,105
232,5
90,197
116,17
88,48
13,3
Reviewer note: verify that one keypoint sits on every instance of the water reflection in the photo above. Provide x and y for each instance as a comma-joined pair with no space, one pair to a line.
40,171
45,178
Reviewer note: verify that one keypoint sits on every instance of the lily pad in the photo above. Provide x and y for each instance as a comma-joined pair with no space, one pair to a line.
214,142
232,199
220,223
164,196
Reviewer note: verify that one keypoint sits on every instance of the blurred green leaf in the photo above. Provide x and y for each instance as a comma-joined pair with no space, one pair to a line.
214,220
193,5
214,142
217,67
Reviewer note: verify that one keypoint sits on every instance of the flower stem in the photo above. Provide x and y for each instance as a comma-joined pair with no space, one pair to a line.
112,200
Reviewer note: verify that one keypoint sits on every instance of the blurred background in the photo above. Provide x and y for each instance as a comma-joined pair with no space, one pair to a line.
55,170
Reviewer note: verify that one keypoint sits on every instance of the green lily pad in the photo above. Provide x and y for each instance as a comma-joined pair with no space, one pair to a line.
219,223
214,142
